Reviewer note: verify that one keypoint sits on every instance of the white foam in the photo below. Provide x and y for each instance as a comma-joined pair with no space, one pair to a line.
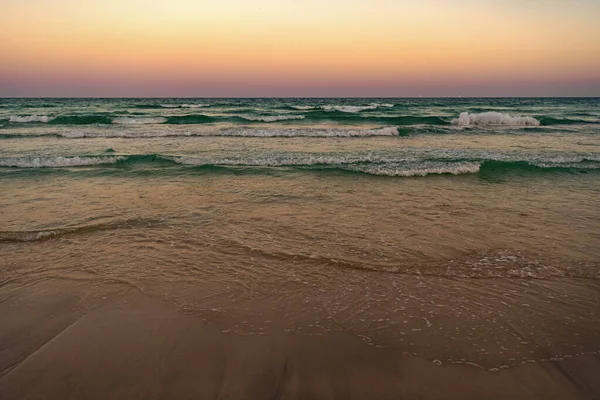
29,118
233,132
387,170
57,162
195,105
382,105
303,107
493,118
184,105
271,118
350,109
139,121
389,131
278,161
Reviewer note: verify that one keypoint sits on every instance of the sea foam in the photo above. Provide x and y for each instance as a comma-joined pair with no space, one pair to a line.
29,118
139,121
184,105
350,109
271,118
493,118
55,162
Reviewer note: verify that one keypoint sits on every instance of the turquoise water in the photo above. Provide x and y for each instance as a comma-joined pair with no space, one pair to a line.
410,137
357,211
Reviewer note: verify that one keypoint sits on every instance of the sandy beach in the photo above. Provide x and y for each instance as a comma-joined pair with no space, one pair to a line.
57,342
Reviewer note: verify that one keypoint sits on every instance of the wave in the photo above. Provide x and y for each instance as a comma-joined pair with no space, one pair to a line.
366,164
60,161
28,118
548,121
271,118
159,106
233,132
350,109
81,120
342,108
46,234
390,120
493,118
421,170
184,105
190,119
204,119
139,121
487,119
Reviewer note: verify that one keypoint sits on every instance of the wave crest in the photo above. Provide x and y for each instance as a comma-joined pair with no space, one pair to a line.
139,121
493,118
271,118
29,118
57,162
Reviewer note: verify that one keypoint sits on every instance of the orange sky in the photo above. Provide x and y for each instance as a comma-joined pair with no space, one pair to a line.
299,48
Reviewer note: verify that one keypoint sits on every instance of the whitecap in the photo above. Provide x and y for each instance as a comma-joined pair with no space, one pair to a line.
350,109
29,118
139,121
271,118
56,162
493,118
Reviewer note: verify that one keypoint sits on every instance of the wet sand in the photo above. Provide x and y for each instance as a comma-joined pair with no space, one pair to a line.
61,340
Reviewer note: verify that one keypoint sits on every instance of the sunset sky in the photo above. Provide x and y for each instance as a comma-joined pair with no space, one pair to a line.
206,48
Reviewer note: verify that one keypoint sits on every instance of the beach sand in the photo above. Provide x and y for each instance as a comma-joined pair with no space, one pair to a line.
64,340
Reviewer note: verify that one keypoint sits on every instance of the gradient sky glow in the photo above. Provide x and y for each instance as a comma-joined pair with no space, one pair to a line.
223,48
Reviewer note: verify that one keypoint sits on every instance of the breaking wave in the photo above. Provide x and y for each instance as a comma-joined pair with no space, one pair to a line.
233,132
159,106
370,164
343,115
420,170
493,118
28,118
271,118
139,121
57,162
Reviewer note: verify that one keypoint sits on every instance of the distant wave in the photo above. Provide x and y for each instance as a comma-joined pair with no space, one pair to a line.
303,108
332,114
350,109
271,118
185,105
159,106
493,118
343,108
233,132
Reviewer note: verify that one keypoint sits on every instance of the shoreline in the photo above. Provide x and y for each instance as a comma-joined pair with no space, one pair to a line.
64,340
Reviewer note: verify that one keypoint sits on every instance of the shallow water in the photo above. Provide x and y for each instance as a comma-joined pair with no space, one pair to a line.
380,217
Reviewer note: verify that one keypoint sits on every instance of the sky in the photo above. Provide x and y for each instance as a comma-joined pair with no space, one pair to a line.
299,48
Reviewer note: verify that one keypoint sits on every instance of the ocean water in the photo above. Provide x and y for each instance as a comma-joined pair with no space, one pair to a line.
395,219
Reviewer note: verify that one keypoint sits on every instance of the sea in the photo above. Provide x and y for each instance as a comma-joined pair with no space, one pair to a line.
405,221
